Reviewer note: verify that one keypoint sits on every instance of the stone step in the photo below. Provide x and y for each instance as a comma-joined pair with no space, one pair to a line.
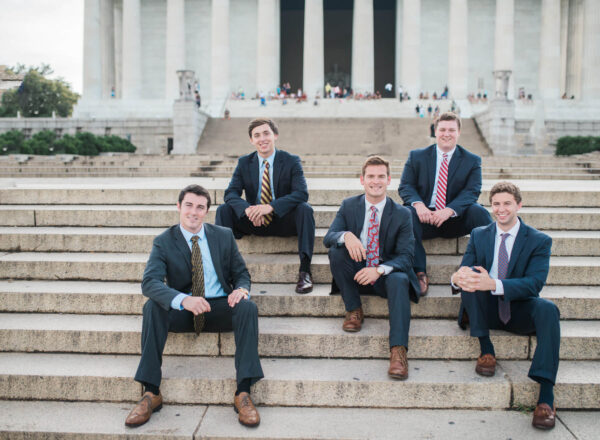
294,382
139,240
86,420
111,298
262,268
281,337
163,216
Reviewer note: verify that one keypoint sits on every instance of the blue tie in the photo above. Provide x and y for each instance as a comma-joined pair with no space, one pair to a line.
503,306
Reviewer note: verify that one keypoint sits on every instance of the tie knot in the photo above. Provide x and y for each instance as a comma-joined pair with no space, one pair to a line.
505,236
194,239
373,209
445,155
266,163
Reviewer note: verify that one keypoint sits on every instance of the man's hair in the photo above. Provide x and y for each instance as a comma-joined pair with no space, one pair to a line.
506,187
375,160
262,121
447,116
195,189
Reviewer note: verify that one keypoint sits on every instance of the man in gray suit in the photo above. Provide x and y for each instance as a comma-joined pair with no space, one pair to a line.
207,289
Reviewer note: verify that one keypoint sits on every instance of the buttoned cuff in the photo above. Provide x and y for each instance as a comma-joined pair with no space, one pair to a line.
499,288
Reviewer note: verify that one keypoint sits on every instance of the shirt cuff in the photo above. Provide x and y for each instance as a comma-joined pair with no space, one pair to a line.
386,269
176,303
499,288
340,240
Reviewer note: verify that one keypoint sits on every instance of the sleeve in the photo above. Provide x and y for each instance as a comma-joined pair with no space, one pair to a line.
337,229
470,192
299,190
408,183
233,193
239,275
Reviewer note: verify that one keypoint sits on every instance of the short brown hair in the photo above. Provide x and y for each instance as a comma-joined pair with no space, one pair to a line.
262,121
195,189
375,160
447,116
506,187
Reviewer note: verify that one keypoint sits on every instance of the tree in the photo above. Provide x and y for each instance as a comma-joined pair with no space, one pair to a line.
38,96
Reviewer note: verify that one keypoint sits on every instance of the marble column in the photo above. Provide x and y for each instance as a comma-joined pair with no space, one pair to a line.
267,51
363,47
108,47
564,38
313,75
411,47
132,47
574,49
118,38
92,51
458,49
504,42
219,66
590,72
175,47
549,68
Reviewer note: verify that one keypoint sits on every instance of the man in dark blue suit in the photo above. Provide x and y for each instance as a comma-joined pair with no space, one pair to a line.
276,197
370,251
441,184
502,273
207,289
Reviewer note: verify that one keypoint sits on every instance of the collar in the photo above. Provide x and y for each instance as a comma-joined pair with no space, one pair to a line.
440,152
380,206
188,235
512,231
269,159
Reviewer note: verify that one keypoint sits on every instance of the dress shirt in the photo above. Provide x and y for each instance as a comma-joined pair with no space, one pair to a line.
438,165
509,243
261,170
212,285
364,232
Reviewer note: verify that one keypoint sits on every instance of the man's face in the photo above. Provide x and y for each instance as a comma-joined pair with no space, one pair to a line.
446,135
263,138
505,208
375,181
192,210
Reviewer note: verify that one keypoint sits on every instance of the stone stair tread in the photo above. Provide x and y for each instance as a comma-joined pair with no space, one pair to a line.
37,420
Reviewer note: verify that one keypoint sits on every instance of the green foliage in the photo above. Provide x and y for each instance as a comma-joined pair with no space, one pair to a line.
38,96
119,145
11,142
42,143
67,145
568,145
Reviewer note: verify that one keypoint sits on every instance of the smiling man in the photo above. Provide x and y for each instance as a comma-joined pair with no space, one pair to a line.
441,184
276,197
206,290
370,252
502,273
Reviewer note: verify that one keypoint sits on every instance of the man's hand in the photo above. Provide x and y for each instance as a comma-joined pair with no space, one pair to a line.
196,304
367,275
236,296
256,213
471,281
423,212
439,217
355,248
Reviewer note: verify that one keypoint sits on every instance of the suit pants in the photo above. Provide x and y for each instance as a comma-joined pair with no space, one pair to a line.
242,319
299,221
530,316
473,217
395,287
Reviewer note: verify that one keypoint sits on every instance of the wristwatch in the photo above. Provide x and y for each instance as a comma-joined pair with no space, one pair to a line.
380,270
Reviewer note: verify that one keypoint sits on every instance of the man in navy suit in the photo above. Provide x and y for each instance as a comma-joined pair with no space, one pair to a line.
276,197
370,251
441,184
502,273
196,280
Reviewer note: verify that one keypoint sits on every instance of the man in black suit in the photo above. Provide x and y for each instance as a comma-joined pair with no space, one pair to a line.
441,184
276,197
207,289
371,247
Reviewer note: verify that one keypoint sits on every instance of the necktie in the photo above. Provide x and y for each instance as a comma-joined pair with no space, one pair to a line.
373,239
503,306
440,198
197,281
266,196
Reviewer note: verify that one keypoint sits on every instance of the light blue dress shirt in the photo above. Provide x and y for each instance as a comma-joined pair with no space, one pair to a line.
212,285
261,170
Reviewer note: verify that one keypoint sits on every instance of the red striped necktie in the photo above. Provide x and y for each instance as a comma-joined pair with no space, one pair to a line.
440,198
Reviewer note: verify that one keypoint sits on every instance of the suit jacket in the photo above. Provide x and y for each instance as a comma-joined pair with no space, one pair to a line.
171,261
529,260
396,239
464,178
288,182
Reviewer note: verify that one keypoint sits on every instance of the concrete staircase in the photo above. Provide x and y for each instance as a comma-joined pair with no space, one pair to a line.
72,253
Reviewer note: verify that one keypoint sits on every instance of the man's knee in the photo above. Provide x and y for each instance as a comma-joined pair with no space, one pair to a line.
152,308
338,254
477,215
546,311
223,215
397,282
304,209
245,308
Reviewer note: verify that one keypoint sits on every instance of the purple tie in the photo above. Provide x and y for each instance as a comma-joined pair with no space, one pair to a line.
503,306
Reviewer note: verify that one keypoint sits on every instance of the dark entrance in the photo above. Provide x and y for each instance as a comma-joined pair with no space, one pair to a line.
384,17
337,18
292,42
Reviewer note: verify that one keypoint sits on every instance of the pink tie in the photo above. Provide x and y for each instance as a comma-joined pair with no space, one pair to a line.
373,239
440,199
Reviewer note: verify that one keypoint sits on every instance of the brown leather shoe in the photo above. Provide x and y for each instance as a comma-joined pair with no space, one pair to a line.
305,283
141,413
486,365
353,321
423,282
248,415
398,363
543,416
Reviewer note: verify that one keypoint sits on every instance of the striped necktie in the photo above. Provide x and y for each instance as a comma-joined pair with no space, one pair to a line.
197,281
266,196
440,198
503,306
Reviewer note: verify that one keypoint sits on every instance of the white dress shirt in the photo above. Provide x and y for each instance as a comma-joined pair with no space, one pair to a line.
509,243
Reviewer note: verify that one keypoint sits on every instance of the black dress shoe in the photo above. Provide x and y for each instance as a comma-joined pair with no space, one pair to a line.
305,283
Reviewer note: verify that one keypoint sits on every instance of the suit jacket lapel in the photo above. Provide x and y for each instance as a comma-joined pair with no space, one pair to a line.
431,167
360,216
277,164
490,245
254,177
518,246
215,250
454,164
183,247
386,217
